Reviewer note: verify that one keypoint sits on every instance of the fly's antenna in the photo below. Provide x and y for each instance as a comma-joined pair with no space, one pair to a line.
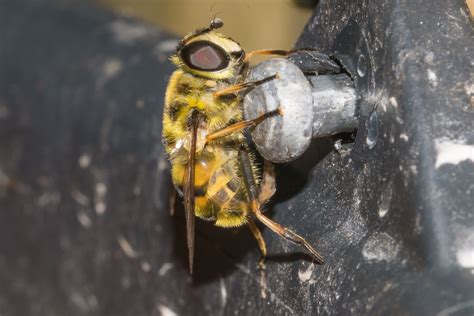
212,7
216,22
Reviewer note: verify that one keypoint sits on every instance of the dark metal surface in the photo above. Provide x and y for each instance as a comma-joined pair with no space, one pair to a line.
397,212
83,227
84,223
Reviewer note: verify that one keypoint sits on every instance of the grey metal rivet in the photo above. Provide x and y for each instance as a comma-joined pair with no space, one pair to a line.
321,106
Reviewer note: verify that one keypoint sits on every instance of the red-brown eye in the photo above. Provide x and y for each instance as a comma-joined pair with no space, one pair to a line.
204,56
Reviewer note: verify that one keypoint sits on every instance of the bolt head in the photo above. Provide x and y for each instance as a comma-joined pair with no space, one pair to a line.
280,138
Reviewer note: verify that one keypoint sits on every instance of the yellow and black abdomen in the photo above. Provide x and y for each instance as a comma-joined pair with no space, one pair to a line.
226,192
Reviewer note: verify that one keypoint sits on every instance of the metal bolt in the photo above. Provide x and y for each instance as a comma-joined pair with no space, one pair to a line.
313,107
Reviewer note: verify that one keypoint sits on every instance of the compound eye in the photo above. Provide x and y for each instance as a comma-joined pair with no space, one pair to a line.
204,56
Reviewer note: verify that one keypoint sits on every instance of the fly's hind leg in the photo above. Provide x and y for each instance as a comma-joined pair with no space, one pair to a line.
267,185
287,234
284,232
260,241
172,201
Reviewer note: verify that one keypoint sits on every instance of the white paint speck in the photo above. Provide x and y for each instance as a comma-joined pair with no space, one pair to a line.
111,68
4,179
162,164
165,268
380,246
127,32
393,102
465,257
49,199
80,198
263,282
84,161
100,189
463,308
166,311
140,104
305,275
168,46
223,292
429,58
100,208
126,247
469,87
452,152
404,137
4,112
432,77
382,211
385,200
85,303
84,219
146,267
465,246
100,192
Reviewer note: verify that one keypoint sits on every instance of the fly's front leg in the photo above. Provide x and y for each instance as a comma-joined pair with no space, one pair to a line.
241,125
243,86
263,52
312,63
247,123
276,52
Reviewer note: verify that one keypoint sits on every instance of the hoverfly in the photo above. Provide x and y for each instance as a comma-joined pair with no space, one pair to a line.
212,165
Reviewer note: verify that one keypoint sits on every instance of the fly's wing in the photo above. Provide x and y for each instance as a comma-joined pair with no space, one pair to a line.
188,190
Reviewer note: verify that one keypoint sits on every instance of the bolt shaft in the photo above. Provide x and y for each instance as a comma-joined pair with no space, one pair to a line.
334,105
